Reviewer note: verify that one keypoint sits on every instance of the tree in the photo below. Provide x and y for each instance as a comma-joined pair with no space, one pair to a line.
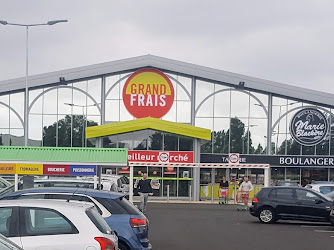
239,143
65,131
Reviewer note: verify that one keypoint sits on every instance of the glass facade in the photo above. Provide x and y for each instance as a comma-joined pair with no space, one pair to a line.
237,117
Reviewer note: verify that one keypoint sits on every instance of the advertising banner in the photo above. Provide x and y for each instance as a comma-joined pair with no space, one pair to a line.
161,156
29,169
56,169
81,170
7,168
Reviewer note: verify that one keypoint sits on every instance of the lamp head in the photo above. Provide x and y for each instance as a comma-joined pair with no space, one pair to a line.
3,22
56,21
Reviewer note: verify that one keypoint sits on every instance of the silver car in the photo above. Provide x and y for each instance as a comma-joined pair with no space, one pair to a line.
54,224
6,244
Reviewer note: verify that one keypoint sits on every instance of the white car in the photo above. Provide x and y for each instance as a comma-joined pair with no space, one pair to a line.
122,182
6,244
56,225
323,187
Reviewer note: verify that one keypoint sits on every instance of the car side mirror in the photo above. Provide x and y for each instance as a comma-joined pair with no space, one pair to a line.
319,201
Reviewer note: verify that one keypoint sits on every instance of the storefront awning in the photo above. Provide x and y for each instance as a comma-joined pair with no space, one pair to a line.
148,123
64,155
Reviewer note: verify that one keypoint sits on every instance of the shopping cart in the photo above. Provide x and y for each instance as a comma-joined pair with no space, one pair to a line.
242,200
223,195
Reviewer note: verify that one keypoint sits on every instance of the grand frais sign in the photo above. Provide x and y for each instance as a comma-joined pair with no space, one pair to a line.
309,126
148,93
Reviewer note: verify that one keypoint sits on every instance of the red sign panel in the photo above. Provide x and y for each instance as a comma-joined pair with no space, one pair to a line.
161,156
56,169
148,93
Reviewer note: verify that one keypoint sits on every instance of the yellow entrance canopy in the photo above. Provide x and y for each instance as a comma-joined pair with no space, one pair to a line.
148,123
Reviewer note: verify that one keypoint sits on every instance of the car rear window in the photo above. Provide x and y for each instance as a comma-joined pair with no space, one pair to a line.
98,221
118,206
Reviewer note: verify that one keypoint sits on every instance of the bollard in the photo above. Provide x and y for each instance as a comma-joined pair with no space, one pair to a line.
235,192
167,193
190,193
212,192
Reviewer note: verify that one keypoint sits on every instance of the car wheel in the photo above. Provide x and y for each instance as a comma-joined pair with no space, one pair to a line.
122,246
267,215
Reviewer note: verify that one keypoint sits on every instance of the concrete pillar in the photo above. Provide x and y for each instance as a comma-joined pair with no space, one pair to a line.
267,177
131,185
196,170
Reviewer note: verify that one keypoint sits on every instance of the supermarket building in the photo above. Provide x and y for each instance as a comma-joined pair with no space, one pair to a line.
185,125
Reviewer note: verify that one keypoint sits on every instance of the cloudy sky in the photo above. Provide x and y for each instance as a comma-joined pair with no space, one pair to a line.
285,41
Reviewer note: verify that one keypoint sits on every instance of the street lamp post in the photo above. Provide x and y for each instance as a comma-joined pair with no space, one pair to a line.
26,103
26,99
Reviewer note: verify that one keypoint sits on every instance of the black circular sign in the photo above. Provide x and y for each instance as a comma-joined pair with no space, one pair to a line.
309,126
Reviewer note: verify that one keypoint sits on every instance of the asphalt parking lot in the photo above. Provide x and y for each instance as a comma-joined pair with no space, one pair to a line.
213,226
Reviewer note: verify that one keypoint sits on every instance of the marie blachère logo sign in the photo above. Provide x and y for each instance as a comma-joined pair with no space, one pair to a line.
148,93
309,126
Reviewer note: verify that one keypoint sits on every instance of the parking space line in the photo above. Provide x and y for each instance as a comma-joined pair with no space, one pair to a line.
315,226
323,231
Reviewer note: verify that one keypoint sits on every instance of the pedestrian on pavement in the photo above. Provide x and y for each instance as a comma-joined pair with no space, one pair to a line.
223,190
144,190
245,187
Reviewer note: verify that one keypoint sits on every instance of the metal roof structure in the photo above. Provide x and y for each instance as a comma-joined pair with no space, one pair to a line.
148,123
200,72
64,155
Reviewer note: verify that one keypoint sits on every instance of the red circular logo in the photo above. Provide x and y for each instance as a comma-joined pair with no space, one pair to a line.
148,93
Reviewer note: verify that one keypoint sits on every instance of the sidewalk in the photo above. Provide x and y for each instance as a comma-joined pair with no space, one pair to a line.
230,202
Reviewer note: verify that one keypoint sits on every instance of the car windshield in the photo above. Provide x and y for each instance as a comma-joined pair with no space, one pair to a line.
7,190
124,180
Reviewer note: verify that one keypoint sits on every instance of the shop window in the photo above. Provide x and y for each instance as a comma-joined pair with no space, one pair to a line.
170,142
155,140
277,174
110,141
185,144
125,141
293,174
140,139
184,178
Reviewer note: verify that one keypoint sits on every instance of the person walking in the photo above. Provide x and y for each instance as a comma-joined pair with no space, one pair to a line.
244,189
144,190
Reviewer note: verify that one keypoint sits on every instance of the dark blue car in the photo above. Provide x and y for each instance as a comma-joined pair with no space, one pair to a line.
130,225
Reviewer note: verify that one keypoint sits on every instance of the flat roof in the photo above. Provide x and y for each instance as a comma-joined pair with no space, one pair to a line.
201,72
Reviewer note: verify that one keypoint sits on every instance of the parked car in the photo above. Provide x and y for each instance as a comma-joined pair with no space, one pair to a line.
322,187
46,224
122,182
7,244
292,203
130,225
287,183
